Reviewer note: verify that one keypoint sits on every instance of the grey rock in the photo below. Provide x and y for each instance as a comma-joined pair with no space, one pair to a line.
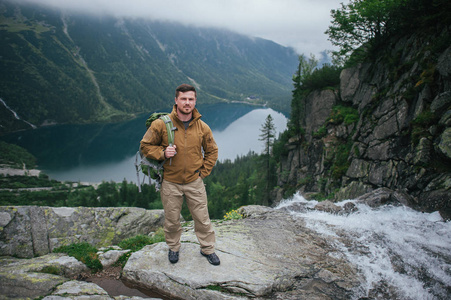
383,196
110,257
328,206
442,101
349,207
349,82
319,105
445,143
446,119
5,218
266,253
444,63
30,231
77,288
24,278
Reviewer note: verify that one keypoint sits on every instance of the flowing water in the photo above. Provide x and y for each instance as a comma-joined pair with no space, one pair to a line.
401,253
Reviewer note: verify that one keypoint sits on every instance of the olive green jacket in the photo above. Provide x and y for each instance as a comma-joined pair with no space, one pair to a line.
196,148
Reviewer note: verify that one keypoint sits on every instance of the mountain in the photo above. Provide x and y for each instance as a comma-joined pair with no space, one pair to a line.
62,67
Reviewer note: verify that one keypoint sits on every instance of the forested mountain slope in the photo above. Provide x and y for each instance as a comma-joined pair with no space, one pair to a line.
60,67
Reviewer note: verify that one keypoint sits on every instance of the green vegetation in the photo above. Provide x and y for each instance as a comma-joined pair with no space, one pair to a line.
343,114
58,194
267,137
16,156
87,253
51,270
16,182
138,242
238,183
420,126
233,215
361,27
84,252
326,77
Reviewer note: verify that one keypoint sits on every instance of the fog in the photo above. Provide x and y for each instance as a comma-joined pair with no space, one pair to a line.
299,24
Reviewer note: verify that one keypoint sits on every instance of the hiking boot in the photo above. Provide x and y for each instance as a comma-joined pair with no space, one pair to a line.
173,256
212,258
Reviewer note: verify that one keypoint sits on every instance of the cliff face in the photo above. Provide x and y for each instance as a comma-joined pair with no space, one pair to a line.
400,137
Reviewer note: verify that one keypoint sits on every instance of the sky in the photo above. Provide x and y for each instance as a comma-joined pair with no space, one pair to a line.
299,24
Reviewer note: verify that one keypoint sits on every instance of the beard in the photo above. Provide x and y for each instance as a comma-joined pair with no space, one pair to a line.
185,110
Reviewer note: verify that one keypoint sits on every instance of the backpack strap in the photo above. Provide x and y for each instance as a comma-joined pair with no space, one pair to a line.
169,128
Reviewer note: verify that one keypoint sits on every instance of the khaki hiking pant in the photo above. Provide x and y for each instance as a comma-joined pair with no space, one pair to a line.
196,200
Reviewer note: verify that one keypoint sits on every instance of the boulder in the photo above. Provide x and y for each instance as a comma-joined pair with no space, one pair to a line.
328,206
25,278
108,258
382,196
28,231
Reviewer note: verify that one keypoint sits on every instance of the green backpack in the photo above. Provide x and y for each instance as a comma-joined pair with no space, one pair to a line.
151,167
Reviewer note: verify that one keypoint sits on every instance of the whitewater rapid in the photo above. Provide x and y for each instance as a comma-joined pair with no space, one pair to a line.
400,252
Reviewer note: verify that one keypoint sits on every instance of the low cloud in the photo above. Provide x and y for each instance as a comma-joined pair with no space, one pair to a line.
294,23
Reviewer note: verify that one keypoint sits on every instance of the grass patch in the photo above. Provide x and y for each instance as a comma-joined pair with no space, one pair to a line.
84,252
51,270
138,242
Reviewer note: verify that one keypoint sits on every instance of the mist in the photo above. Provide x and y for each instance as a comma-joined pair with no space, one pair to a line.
299,24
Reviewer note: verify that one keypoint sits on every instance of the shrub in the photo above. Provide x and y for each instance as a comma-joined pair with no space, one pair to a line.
343,114
326,77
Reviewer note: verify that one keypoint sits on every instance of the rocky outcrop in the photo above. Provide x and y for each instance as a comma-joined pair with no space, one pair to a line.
401,139
29,231
267,255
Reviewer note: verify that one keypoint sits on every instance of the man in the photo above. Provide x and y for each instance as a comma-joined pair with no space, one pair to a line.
188,161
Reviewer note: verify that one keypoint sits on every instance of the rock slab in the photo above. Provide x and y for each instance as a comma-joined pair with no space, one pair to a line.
267,255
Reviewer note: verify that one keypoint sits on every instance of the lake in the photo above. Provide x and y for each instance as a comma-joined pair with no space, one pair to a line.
106,152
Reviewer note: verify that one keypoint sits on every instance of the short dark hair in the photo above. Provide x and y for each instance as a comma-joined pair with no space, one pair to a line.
183,88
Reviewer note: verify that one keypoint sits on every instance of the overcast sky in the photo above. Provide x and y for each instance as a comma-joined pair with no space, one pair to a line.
294,23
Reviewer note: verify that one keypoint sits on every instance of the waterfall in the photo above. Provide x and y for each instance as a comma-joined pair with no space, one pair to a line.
15,114
401,253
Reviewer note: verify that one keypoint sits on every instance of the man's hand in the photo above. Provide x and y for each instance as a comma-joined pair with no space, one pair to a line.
170,151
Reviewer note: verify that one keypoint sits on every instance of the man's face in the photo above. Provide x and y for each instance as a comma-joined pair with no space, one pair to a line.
185,102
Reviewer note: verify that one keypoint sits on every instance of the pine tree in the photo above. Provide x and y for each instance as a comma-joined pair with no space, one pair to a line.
305,69
267,136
